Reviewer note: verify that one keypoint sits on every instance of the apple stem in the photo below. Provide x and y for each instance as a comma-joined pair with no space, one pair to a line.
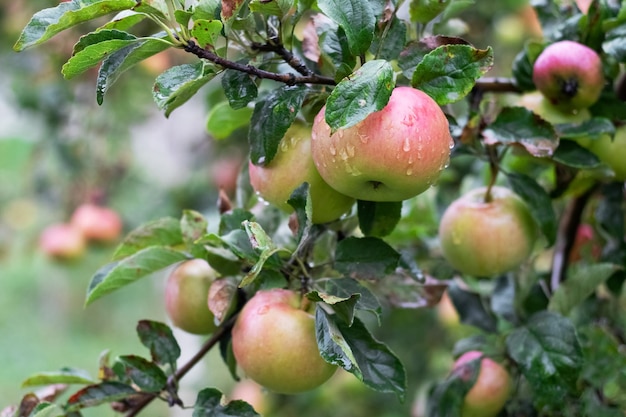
494,170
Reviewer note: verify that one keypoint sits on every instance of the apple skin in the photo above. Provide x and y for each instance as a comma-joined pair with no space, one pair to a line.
291,166
97,223
274,343
487,238
62,241
491,390
186,296
392,155
569,74
612,152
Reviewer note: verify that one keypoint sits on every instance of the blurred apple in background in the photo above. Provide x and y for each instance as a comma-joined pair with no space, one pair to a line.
97,223
62,241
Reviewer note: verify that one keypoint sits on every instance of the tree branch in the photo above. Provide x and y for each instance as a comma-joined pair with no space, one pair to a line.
182,371
285,54
289,79
497,85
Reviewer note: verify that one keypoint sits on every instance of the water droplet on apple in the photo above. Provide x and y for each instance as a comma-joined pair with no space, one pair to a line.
409,171
407,145
451,144
363,138
343,154
333,150
411,159
262,310
350,149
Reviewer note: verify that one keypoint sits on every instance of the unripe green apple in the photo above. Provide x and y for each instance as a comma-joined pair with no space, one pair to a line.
186,296
291,167
274,343
62,241
491,390
487,238
612,152
392,155
569,74
97,223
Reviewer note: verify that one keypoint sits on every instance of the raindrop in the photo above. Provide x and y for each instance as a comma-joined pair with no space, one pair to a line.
451,144
409,171
333,150
407,145
364,138
343,154
350,149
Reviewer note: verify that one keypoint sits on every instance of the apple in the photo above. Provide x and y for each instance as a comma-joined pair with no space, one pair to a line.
225,172
62,241
569,74
274,343
585,243
97,223
446,312
291,166
392,155
249,391
487,238
612,151
491,390
186,295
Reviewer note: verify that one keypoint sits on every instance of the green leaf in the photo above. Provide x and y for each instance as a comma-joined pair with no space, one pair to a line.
423,11
615,43
603,354
139,265
346,287
356,18
378,218
210,403
415,51
63,376
538,202
239,89
206,32
127,57
261,243
471,308
446,398
271,118
46,409
592,128
124,21
223,120
162,232
193,226
572,154
93,395
178,84
48,22
355,349
389,40
300,200
278,8
159,339
522,126
233,220
93,48
334,48
344,307
581,282
449,72
145,374
366,91
365,258
549,355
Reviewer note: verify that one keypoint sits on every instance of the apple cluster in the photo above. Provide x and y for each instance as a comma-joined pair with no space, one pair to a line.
88,223
392,155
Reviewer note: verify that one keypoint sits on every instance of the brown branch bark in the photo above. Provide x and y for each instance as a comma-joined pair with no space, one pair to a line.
285,54
289,78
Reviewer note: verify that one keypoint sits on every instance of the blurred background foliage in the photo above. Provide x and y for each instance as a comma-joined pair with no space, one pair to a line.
58,148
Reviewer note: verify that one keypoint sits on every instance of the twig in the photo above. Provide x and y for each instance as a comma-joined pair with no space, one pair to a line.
182,371
289,79
497,85
566,235
285,54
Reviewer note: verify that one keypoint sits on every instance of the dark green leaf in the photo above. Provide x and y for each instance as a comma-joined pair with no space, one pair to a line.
356,18
378,218
592,128
145,374
46,409
471,308
206,32
301,202
572,154
523,71
366,91
355,349
93,395
522,126
48,22
63,376
162,232
263,245
346,287
423,11
390,41
603,354
178,84
344,307
210,404
415,51
334,48
233,220
449,73
271,118
581,282
365,258
278,8
615,43
239,89
124,21
88,55
446,398
223,120
549,355
99,36
538,202
193,226
159,339
121,60
128,270
503,298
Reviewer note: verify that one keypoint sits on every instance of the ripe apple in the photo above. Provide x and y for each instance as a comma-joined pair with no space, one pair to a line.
392,155
186,295
612,151
585,243
487,238
491,390
97,223
569,74
62,241
291,167
446,312
274,343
